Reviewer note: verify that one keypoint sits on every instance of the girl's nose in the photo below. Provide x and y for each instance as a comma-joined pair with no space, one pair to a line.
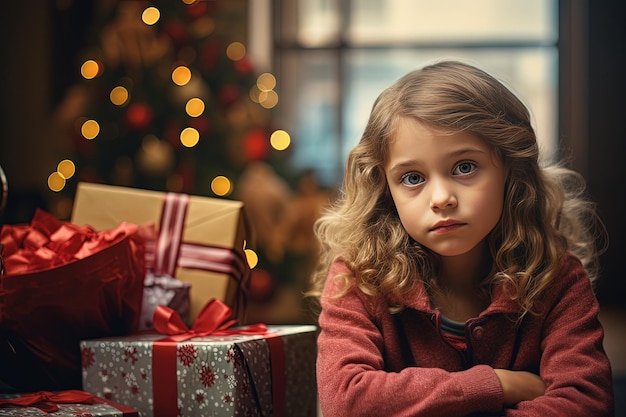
442,196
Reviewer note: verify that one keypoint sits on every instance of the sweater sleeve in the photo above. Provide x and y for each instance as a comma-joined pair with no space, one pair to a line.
573,365
352,380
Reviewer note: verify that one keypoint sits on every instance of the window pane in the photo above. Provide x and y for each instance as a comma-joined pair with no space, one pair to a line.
529,73
311,22
327,94
419,21
309,111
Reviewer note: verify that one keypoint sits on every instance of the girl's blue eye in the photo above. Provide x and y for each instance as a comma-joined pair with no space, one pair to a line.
411,179
464,168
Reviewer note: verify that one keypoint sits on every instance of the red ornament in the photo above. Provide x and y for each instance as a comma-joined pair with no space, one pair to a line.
209,55
244,66
228,94
177,33
198,9
256,144
262,285
139,116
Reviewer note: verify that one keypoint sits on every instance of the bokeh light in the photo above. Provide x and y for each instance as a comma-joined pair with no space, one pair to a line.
280,140
119,95
203,27
189,137
235,51
254,93
220,185
151,15
194,107
266,82
268,99
56,182
90,69
181,75
155,157
90,129
66,168
252,258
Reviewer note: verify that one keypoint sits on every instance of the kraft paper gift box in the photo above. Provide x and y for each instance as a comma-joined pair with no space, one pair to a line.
232,375
69,403
199,239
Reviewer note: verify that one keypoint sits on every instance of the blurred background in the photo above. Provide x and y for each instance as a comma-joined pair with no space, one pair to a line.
261,100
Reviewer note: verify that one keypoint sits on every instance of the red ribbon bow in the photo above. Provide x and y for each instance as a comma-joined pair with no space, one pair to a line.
214,319
47,401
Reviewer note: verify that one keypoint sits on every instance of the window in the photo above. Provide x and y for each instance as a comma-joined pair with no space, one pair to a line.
333,57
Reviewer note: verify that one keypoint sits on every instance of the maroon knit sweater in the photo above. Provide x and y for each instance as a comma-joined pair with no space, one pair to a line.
373,363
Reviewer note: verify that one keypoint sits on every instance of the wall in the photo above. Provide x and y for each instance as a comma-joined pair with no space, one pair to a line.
607,136
25,83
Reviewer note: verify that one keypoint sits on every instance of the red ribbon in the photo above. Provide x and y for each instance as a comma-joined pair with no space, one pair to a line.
213,319
277,358
170,233
169,251
47,401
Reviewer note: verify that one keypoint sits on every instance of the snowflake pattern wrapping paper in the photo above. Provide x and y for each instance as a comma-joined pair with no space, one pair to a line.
65,410
236,375
97,408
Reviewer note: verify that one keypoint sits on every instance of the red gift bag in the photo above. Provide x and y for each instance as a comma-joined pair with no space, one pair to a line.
63,284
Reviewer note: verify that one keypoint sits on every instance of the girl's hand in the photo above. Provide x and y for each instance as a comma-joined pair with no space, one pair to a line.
519,386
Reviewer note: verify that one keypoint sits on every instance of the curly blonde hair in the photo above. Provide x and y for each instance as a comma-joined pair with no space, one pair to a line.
546,212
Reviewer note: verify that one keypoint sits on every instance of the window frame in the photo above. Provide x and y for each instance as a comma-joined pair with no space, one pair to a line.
570,69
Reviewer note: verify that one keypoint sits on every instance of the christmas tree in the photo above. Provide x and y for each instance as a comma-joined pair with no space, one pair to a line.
172,102
173,98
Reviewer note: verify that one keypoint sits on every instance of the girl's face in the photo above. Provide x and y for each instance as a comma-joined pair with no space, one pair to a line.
448,188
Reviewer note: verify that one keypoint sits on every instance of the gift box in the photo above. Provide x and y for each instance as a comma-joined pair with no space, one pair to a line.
268,374
200,240
70,403
163,290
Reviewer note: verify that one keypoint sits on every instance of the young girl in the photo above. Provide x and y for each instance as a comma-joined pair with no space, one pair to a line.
456,272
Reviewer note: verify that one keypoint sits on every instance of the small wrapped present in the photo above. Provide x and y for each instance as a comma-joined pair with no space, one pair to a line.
200,240
62,284
70,403
167,291
212,369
